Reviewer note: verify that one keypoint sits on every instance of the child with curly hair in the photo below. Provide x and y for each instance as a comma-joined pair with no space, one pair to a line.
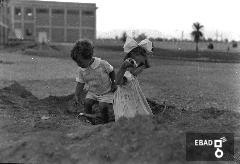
99,76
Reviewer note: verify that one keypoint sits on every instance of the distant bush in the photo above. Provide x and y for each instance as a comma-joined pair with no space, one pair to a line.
159,39
209,39
210,46
234,44
173,39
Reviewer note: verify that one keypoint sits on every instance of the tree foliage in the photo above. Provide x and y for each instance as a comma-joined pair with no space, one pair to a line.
197,33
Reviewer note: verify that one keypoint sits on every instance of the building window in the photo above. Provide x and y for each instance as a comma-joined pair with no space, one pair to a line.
73,12
58,11
87,13
29,12
18,12
42,11
28,32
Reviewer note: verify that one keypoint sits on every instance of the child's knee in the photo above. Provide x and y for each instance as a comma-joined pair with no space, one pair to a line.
103,105
89,102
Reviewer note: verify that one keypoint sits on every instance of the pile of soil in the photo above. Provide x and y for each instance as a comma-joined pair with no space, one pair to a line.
47,131
47,50
6,62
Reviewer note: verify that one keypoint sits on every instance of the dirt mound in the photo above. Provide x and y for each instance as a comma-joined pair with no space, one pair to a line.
18,90
6,62
157,139
47,131
47,50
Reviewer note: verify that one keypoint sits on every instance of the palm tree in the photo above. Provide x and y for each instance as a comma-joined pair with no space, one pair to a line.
197,33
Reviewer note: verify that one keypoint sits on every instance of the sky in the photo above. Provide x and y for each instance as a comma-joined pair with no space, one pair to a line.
167,18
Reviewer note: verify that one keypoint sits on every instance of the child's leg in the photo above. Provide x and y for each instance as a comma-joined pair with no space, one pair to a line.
103,107
90,100
88,105
88,108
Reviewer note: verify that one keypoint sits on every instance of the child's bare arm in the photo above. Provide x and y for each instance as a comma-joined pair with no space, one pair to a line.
139,70
120,75
121,72
79,93
113,77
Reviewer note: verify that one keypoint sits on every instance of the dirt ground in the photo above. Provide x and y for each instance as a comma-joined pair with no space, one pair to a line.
47,131
36,128
185,84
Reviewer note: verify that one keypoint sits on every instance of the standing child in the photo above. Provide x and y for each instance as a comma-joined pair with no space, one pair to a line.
129,99
97,74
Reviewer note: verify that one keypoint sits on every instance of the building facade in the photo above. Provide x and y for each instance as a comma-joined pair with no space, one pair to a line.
4,21
46,21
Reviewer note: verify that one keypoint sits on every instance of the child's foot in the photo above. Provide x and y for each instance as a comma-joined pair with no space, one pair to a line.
88,117
80,114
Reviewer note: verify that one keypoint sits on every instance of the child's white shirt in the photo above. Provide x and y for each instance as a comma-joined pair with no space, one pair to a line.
129,99
96,76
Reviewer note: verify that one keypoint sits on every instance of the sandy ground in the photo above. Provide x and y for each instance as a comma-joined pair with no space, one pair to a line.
47,130
185,84
23,67
194,85
42,131
42,76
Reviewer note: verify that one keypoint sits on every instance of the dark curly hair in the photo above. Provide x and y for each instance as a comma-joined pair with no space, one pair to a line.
84,48
138,51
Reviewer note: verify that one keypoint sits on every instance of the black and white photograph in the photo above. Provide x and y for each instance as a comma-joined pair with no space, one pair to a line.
119,82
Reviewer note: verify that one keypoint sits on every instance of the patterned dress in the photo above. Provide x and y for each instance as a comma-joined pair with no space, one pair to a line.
129,99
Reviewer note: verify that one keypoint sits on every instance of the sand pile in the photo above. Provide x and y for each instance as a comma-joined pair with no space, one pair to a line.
59,137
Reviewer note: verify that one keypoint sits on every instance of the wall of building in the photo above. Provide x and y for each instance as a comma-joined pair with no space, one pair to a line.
3,35
57,21
3,23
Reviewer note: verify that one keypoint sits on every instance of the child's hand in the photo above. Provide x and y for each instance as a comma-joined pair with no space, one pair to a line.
128,63
113,87
138,70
